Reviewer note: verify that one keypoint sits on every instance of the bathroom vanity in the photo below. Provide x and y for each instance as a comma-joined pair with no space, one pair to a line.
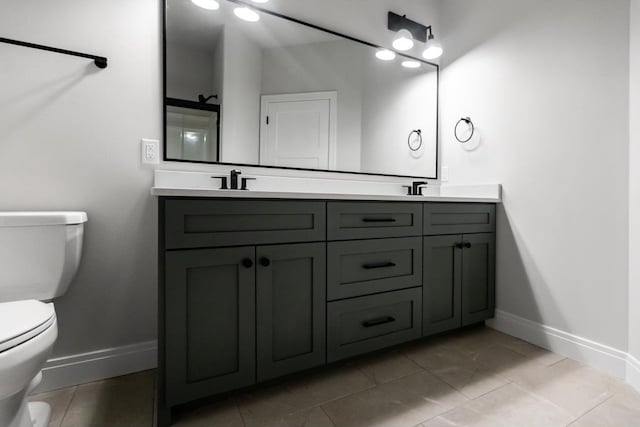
254,288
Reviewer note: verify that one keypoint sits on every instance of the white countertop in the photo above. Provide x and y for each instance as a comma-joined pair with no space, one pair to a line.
199,192
201,184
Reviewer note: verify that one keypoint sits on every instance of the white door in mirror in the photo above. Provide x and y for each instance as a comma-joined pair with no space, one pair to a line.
299,130
150,151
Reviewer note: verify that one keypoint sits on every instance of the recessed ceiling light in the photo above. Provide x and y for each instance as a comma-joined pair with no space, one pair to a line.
385,55
411,64
207,4
247,14
404,41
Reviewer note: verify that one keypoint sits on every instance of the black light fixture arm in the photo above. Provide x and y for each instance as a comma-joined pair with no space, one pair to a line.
100,61
419,31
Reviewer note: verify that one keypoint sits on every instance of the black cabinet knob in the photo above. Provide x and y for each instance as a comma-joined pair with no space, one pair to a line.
467,245
265,262
458,246
247,263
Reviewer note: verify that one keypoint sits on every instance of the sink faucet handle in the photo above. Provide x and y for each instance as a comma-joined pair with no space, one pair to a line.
409,190
224,181
244,183
417,187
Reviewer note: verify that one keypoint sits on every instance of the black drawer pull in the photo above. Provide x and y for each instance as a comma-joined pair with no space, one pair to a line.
378,265
379,220
378,322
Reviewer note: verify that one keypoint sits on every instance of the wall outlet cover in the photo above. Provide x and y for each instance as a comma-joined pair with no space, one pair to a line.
150,151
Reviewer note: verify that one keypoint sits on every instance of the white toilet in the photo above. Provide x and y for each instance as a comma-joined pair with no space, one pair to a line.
39,256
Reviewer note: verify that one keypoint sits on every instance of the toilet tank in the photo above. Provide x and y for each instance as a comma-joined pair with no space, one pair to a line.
39,253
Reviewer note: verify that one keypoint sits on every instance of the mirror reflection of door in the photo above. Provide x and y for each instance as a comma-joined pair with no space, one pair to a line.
299,130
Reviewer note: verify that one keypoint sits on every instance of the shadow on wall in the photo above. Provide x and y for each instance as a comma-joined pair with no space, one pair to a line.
516,272
48,92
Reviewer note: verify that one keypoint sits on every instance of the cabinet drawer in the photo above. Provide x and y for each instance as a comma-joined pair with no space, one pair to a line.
349,221
364,324
366,267
459,218
209,223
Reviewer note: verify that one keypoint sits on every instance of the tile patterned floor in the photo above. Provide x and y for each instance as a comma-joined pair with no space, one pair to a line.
474,378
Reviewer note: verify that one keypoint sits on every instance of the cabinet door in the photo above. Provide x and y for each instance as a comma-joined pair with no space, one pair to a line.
210,322
291,307
478,278
442,310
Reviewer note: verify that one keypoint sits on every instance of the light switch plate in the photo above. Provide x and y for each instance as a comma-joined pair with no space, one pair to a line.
150,151
445,174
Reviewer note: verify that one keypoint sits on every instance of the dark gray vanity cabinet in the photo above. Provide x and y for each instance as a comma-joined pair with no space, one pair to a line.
478,277
210,322
459,269
290,304
253,290
442,288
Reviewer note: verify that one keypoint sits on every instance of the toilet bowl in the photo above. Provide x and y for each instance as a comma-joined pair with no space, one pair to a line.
28,330
39,256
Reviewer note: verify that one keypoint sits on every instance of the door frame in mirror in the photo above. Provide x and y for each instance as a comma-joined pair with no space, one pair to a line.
316,27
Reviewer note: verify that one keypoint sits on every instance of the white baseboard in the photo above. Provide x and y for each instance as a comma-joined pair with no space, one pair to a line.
102,364
633,372
98,365
608,359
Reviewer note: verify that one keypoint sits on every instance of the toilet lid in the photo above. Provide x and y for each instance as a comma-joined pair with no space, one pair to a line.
22,320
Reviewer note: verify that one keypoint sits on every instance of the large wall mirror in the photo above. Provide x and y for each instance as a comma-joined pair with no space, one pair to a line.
280,93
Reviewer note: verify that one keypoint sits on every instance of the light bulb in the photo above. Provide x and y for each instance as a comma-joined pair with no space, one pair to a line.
433,50
385,55
411,64
207,4
247,14
404,41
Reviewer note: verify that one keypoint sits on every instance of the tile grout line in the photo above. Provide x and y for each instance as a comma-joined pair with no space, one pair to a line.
237,408
66,409
590,410
327,415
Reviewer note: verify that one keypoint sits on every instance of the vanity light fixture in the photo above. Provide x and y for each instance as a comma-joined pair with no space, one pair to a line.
385,55
408,31
411,64
404,41
247,14
207,4
433,50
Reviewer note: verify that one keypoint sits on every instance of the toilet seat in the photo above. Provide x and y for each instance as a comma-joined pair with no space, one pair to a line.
21,321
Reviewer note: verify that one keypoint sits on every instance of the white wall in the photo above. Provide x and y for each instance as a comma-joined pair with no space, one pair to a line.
189,72
70,139
549,95
242,80
634,180
397,101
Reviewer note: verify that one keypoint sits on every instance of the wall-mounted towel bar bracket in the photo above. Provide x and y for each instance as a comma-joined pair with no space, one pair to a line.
100,61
